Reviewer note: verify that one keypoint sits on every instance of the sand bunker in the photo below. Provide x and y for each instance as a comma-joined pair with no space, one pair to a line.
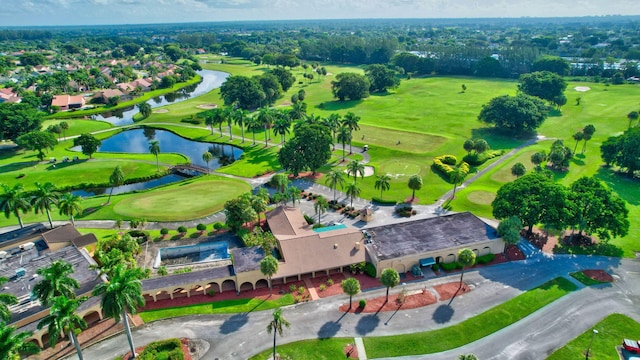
581,88
160,111
368,171
207,106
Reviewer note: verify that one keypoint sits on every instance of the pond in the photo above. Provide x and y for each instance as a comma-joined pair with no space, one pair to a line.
210,80
167,179
137,141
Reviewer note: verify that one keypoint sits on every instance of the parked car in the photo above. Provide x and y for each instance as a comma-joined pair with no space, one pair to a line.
631,345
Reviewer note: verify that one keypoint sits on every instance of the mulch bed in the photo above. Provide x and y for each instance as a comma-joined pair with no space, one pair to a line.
351,351
185,351
513,253
598,275
446,291
411,201
307,175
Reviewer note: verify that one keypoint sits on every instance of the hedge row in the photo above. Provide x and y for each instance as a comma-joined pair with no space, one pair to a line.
479,159
445,165
170,349
383,202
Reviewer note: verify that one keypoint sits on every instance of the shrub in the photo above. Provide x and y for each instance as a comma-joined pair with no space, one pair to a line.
170,349
329,281
363,303
309,219
293,288
162,271
380,201
318,225
449,266
479,159
218,225
183,270
485,259
182,229
435,267
212,293
323,287
138,233
201,227
370,269
446,169
164,231
301,290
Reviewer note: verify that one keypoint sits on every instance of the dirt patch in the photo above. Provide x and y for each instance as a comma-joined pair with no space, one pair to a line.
446,291
207,106
412,300
514,253
331,288
598,275
351,351
307,175
541,240
160,111
410,200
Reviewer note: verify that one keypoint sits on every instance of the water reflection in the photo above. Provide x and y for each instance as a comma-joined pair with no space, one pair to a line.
167,179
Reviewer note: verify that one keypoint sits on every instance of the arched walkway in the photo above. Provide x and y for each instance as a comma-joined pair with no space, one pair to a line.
228,285
261,284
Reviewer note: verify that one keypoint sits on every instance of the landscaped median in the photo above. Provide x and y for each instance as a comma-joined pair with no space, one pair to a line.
321,349
233,306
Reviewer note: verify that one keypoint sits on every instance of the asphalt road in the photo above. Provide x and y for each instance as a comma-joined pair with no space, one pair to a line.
240,336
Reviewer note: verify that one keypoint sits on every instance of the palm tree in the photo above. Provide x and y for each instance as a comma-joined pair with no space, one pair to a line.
69,204
259,202
457,175
13,345
144,109
116,179
298,110
295,194
6,299
218,119
333,123
354,168
277,327
344,136
44,198
415,183
14,200
632,116
280,181
64,126
254,124
588,131
352,191
466,258
321,205
240,118
382,183
266,117
229,115
350,286
56,281
351,120
209,119
389,278
282,127
269,267
578,136
61,318
207,157
122,294
154,148
335,178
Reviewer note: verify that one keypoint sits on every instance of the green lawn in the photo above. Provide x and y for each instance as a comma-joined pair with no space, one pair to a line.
78,126
218,307
580,276
472,329
611,331
323,349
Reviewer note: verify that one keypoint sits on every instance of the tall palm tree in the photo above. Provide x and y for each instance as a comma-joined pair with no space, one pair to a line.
294,194
350,286
44,198
209,119
344,136
116,179
229,115
240,118
333,123
207,157
62,317
154,148
12,345
282,127
56,281
354,168
415,183
335,178
277,325
466,258
122,294
69,204
320,206
6,299
382,183
218,119
352,191
13,200
298,110
266,118
269,267
254,125
351,120
64,126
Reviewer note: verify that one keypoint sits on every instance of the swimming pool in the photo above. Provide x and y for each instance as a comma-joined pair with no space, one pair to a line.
189,254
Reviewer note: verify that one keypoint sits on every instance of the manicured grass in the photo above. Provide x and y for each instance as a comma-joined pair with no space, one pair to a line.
217,307
471,329
580,276
611,331
322,349
78,126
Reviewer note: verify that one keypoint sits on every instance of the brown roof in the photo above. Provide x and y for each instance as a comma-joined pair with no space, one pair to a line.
284,220
108,93
65,233
85,240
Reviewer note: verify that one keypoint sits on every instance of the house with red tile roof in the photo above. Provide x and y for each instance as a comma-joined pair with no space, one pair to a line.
68,102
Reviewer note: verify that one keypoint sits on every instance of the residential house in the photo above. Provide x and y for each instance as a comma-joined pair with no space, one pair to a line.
8,95
68,102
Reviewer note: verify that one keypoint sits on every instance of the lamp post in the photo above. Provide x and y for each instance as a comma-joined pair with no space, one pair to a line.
593,335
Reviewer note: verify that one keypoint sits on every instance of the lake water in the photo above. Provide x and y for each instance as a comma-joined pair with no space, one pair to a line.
167,179
210,80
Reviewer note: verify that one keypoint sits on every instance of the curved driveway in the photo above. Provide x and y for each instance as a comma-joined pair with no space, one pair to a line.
240,336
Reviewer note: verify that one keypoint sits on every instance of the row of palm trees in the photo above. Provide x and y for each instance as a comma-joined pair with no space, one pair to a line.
14,201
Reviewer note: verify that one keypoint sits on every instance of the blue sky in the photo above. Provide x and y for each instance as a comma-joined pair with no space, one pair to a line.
83,12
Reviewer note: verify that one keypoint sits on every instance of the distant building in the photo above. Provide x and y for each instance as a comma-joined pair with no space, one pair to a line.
68,102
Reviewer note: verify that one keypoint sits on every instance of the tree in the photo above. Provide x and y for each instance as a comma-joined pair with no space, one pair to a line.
245,92
154,148
588,132
469,145
294,193
509,230
354,168
333,179
12,346
310,148
13,200
389,278
266,117
538,158
145,109
632,116
457,175
18,119
350,86
282,127
350,286
115,179
69,205
56,281
254,125
559,155
62,318
623,150
320,206
516,114
277,325
122,294
333,122
415,183
64,126
269,267
543,84
344,136
518,169
480,146
259,202
596,209
6,299
560,101
381,78
382,183
533,198
44,198
554,64
350,120
285,78
37,141
238,211
352,191
579,136
88,143
280,181
466,257
207,157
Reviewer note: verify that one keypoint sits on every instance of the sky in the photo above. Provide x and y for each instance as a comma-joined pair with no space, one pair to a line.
99,12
